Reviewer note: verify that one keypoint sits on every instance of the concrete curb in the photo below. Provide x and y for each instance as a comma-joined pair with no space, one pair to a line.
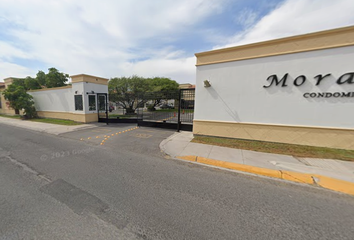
312,179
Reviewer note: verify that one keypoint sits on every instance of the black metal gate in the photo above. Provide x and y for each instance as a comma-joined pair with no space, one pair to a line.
166,109
174,109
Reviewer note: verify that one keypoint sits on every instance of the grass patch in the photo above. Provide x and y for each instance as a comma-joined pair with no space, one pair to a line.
45,120
10,116
55,121
278,148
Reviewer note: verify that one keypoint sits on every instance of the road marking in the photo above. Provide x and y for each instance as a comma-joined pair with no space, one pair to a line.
106,137
101,130
141,135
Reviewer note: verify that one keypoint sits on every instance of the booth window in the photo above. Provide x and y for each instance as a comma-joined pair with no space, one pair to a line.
92,102
78,103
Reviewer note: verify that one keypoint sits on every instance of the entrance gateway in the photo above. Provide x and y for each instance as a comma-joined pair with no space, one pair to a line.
165,109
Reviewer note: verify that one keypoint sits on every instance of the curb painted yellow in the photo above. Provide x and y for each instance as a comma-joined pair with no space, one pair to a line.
188,158
335,184
240,167
312,179
297,177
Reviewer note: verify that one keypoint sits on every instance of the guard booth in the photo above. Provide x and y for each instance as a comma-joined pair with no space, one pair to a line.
77,101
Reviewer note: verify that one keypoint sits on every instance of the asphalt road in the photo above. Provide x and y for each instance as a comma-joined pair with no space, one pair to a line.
71,187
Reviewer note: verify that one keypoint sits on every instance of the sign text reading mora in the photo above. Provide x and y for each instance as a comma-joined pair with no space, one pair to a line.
347,78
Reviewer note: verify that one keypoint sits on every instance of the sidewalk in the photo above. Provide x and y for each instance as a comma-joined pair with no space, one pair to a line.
54,129
328,173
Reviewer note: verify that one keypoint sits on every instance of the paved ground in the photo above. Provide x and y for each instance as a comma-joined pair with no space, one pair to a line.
45,127
186,115
179,144
127,189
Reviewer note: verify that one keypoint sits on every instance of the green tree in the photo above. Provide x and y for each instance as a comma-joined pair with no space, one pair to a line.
54,78
131,92
126,90
163,89
31,83
19,82
19,99
162,84
41,78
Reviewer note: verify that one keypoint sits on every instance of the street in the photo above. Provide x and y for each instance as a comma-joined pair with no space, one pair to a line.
73,187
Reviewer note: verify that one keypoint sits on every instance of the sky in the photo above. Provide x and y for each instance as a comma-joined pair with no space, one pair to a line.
155,38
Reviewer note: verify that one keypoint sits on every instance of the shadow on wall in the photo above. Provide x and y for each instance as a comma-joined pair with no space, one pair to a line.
214,94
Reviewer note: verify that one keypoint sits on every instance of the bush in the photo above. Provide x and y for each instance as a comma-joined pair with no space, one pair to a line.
30,112
151,107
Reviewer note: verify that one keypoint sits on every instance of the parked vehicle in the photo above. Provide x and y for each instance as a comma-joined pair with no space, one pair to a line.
166,106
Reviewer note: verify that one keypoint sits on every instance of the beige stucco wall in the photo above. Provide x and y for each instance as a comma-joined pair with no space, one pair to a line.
321,137
88,79
339,37
84,118
5,109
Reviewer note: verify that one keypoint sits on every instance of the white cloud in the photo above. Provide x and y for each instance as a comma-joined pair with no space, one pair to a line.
9,69
180,69
87,36
246,18
114,38
294,17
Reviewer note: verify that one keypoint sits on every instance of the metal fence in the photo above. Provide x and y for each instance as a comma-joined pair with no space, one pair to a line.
166,109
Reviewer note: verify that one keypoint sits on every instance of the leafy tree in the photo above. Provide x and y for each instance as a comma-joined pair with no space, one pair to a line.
131,92
31,83
41,78
162,84
19,99
54,78
19,82
163,89
126,90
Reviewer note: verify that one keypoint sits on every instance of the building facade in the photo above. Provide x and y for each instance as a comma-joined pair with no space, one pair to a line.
78,101
297,90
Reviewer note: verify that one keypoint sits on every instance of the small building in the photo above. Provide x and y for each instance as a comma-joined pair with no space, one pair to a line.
297,90
186,86
79,101
4,104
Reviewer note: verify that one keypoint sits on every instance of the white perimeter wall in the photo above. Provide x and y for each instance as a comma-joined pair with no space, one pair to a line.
63,100
60,100
237,93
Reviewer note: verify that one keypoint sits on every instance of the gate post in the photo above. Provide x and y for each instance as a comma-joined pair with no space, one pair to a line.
107,106
179,110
